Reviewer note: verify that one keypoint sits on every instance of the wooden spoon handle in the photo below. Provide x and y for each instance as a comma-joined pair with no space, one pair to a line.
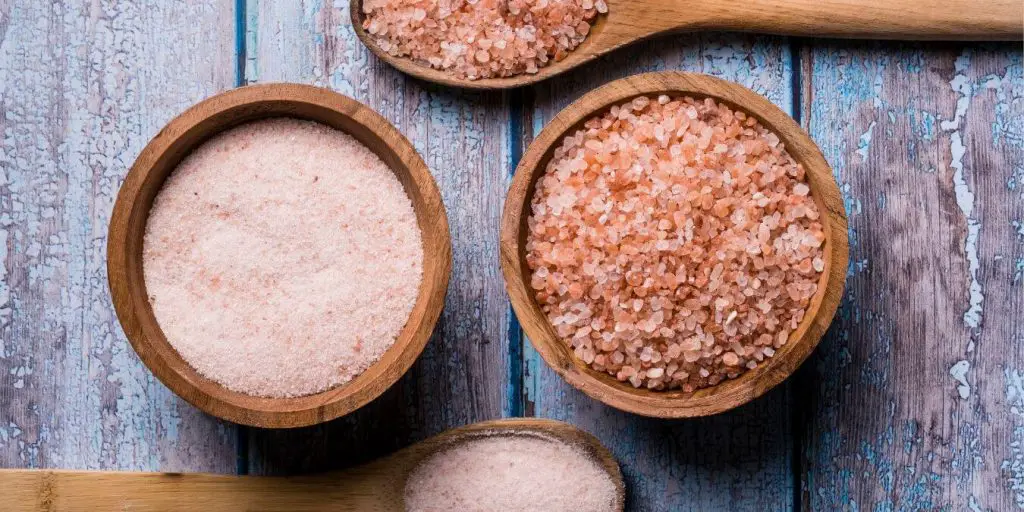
86,491
987,20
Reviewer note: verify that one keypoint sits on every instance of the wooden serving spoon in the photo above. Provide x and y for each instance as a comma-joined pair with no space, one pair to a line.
374,487
629,21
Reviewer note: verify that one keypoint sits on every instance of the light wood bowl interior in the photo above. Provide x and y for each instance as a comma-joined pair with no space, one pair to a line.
727,394
159,159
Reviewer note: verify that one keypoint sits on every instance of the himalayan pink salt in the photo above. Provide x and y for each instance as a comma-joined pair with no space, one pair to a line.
282,258
674,243
520,473
476,39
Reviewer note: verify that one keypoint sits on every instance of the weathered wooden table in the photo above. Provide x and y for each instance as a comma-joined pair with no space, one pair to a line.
914,401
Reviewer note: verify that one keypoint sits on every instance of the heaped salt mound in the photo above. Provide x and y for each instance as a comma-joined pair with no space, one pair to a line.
673,243
282,258
481,38
510,473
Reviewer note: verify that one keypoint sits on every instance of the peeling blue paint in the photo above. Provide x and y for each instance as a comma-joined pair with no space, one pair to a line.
1013,466
959,373
910,438
864,143
1016,178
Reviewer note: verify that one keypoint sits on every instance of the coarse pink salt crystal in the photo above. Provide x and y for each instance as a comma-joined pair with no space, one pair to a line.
687,233
282,258
510,473
481,38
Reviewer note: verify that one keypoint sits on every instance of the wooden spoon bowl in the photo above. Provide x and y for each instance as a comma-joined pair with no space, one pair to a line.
377,486
729,393
629,21
162,156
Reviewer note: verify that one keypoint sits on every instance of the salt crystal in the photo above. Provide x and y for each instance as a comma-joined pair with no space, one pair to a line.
712,233
457,37
282,258
510,473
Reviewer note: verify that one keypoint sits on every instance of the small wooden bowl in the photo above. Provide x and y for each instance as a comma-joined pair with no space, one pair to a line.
162,156
729,393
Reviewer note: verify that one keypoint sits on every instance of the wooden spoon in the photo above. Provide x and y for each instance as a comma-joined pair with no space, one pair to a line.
377,486
629,21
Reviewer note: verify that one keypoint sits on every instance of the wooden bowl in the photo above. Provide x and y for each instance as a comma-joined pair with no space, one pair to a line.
162,156
729,393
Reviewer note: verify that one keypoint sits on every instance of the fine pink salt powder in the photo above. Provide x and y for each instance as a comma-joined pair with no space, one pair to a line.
282,258
674,243
518,473
481,38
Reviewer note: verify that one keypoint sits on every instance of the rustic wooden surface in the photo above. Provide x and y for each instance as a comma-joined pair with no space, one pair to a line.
916,400
83,86
913,401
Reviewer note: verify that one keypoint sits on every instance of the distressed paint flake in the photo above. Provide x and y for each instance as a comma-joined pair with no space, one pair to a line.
959,373
1013,465
864,144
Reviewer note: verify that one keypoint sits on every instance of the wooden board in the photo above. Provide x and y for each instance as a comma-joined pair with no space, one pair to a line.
83,86
915,399
462,376
740,460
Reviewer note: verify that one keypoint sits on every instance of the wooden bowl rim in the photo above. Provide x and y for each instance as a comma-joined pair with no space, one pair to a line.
732,392
540,428
257,102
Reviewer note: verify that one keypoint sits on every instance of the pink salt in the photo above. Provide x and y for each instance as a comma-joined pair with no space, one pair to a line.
520,473
476,39
282,258
674,243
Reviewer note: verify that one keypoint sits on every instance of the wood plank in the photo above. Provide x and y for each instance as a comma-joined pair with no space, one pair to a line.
915,399
739,460
463,373
83,86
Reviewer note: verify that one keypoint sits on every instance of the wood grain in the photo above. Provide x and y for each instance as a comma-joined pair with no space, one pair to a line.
629,21
375,487
916,399
162,156
83,86
672,403
463,374
935,201
740,460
